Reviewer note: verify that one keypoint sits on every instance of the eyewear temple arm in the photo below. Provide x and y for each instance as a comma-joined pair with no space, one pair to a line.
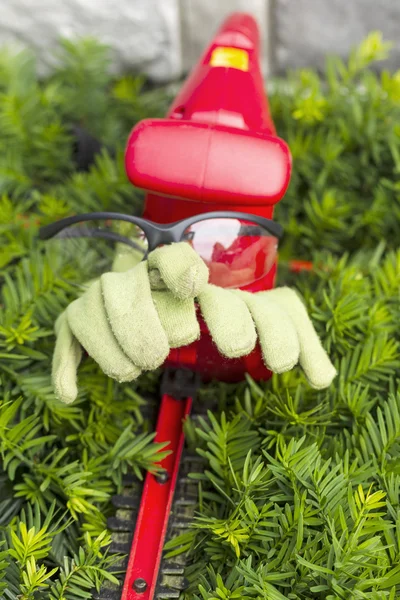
48,231
96,233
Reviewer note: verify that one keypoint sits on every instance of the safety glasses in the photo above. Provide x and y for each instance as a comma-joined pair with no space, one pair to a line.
238,248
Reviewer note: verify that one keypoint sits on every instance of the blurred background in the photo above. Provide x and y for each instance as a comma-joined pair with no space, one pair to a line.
163,38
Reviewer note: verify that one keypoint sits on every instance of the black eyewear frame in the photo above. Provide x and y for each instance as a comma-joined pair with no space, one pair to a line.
156,233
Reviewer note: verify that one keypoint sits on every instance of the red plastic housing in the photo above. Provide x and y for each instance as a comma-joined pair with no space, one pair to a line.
210,164
216,150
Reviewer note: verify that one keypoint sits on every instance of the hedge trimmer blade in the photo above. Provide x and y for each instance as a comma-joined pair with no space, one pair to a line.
171,580
147,515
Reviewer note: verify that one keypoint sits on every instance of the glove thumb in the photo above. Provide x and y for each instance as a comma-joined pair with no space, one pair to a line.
178,268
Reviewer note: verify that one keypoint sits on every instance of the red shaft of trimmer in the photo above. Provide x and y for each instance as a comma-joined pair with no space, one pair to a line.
151,527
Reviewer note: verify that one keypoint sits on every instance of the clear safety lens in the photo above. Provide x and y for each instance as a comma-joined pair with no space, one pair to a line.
237,252
85,250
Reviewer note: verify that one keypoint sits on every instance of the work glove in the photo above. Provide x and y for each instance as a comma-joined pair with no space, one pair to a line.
124,325
127,322
278,319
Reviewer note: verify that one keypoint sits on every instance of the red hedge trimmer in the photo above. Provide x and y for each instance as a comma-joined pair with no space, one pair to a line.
213,170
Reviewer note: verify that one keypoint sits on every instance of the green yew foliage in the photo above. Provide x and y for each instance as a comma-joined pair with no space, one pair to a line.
299,497
60,464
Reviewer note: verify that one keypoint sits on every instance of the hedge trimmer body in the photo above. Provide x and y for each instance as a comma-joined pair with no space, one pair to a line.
216,150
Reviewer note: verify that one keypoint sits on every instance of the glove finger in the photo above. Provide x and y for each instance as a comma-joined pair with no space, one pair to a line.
276,332
133,317
228,320
66,358
182,270
178,318
88,321
313,358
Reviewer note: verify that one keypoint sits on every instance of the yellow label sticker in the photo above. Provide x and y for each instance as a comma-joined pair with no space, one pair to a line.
224,56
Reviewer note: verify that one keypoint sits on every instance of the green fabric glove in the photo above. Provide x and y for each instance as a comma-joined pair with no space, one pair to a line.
66,358
123,325
128,322
279,318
